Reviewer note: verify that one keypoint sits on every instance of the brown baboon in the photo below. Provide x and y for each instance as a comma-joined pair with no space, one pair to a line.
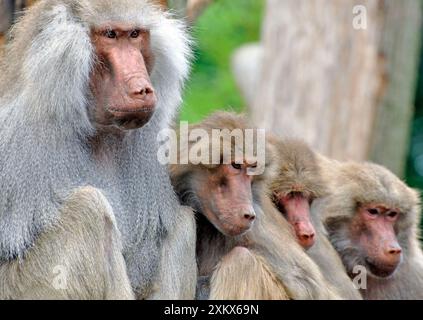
243,243
296,182
373,220
79,82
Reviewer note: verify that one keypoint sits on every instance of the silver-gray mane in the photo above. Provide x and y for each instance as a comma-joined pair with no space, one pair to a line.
45,130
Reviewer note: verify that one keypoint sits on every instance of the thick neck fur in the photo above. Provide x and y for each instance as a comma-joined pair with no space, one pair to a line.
48,145
212,245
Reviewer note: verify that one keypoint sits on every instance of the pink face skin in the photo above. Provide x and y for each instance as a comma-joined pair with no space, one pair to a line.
373,230
120,81
227,199
297,211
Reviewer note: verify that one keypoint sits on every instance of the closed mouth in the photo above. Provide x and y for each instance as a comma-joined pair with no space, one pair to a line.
233,230
135,110
379,271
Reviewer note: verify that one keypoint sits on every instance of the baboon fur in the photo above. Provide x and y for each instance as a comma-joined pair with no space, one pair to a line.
264,263
361,183
50,147
297,168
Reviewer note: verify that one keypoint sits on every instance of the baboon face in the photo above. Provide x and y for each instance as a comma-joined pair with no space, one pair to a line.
225,194
120,81
370,218
373,231
295,206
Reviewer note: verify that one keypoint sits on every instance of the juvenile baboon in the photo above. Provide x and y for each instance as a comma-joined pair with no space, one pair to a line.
295,184
85,88
243,243
373,222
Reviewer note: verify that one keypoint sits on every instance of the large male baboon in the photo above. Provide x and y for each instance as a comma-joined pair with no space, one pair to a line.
85,88
243,243
296,185
373,221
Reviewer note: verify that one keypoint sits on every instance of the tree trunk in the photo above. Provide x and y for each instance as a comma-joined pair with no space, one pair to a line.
347,91
247,64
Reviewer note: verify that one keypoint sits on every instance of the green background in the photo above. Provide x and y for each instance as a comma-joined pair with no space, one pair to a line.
223,27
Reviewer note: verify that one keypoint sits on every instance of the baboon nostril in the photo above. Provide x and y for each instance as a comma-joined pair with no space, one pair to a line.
250,217
306,240
145,91
307,236
395,251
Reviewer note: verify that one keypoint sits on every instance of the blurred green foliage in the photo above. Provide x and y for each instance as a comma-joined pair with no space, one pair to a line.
415,158
224,26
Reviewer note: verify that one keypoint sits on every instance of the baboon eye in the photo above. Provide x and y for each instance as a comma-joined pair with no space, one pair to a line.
237,166
111,34
373,211
135,34
392,214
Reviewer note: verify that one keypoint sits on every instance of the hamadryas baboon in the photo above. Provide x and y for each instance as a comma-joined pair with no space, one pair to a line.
85,88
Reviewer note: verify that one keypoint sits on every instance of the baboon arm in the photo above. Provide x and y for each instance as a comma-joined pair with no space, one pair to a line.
79,257
178,269
243,275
